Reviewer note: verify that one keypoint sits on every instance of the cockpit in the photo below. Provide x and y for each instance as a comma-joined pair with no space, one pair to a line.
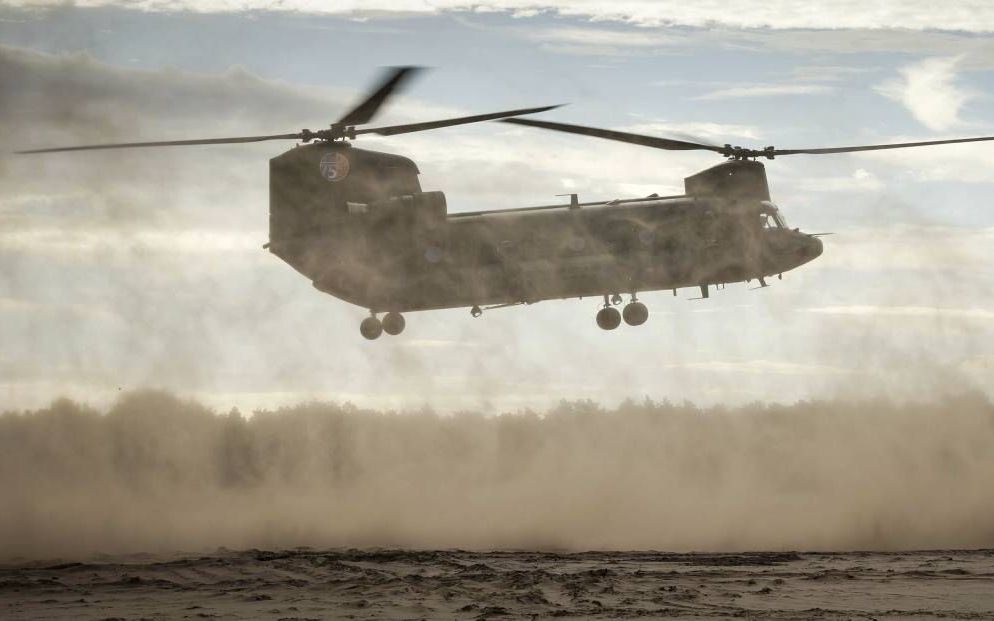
770,216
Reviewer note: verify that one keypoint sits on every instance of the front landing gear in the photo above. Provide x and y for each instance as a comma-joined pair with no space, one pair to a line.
371,328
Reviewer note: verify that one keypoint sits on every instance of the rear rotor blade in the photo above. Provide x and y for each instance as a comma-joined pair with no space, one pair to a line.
418,127
876,147
727,150
367,109
167,143
639,139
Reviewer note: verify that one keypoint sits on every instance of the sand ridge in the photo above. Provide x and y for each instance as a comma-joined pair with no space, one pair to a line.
398,584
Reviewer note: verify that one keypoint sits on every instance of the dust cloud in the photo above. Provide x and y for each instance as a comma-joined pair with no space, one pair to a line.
156,473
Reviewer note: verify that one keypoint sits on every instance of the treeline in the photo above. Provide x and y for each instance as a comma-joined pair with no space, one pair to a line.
159,472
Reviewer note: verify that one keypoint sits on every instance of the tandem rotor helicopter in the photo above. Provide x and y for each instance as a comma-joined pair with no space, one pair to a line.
358,225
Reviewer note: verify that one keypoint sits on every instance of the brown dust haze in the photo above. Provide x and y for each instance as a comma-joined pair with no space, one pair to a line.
157,473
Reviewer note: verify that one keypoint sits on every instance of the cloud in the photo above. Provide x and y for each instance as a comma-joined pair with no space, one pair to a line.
856,43
830,73
959,163
861,180
766,90
762,367
929,91
911,312
964,15
604,37
928,248
115,242
582,41
691,130
852,43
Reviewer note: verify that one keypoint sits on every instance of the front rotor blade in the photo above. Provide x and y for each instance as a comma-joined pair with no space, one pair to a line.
877,147
419,127
367,109
639,139
166,143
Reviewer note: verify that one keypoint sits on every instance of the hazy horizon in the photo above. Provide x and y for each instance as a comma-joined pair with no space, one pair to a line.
157,473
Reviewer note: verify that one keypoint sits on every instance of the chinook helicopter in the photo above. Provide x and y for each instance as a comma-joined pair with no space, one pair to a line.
359,226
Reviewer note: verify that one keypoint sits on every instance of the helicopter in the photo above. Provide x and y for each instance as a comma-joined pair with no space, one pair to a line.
358,225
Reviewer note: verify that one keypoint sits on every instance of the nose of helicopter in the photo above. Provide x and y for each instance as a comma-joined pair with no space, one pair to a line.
811,248
792,249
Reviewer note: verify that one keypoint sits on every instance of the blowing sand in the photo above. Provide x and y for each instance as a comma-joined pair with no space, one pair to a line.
159,474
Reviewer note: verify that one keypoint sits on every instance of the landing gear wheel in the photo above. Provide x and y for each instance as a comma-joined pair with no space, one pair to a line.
616,299
393,323
371,328
635,313
608,318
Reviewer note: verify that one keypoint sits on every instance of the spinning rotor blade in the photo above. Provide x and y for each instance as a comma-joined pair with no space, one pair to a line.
305,135
166,143
367,109
418,127
639,139
343,128
727,150
876,147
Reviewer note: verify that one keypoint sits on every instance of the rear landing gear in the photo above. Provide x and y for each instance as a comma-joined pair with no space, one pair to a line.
634,313
608,318
371,327
393,323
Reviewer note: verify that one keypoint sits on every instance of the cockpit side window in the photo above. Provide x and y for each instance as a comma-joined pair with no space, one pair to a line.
778,217
771,216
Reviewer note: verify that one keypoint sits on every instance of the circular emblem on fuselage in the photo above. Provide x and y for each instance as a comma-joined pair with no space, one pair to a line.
334,166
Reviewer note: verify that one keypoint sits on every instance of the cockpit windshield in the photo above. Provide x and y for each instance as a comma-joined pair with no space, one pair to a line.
771,216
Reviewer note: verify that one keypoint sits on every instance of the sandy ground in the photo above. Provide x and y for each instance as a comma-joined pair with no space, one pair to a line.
311,584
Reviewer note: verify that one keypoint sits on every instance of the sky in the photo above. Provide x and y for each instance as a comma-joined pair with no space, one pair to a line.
130,269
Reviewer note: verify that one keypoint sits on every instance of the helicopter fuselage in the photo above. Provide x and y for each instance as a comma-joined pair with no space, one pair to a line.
358,225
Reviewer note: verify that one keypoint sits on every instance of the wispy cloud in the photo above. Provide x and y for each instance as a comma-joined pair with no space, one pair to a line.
615,37
915,312
829,73
966,15
55,241
911,247
929,91
766,90
774,367
960,163
692,129
861,180
617,41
